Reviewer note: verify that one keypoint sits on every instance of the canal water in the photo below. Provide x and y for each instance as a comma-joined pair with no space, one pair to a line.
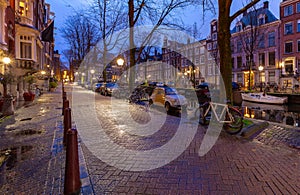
285,114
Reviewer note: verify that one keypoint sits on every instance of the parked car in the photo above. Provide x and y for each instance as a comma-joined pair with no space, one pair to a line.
107,88
168,97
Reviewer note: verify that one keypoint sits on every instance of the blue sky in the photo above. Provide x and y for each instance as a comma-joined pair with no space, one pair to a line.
64,8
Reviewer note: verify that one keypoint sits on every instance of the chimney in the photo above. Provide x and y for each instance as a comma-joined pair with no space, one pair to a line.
266,5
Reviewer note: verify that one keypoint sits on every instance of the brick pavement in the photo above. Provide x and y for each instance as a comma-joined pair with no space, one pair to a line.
233,166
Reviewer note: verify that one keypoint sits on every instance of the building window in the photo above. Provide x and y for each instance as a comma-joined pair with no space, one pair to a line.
239,62
289,66
239,46
232,48
240,78
298,45
272,58
272,77
25,50
261,41
298,7
298,26
288,47
262,59
209,46
202,59
288,10
23,8
262,20
288,28
202,49
239,28
214,36
271,39
232,63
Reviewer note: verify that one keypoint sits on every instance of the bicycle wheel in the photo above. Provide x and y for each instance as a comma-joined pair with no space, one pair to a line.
237,124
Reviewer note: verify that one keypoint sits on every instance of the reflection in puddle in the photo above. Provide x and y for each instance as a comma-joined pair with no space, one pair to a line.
14,155
286,114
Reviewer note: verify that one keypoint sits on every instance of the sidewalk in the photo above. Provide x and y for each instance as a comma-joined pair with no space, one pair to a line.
33,139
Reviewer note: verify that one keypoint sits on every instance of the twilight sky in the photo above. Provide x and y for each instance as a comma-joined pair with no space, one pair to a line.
64,8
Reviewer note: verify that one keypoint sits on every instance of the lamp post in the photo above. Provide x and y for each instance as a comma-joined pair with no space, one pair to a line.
260,68
92,76
8,108
120,62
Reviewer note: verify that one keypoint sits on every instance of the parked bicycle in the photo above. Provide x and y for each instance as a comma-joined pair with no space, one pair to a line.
231,117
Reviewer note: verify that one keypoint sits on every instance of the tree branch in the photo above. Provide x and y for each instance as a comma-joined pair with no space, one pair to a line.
239,12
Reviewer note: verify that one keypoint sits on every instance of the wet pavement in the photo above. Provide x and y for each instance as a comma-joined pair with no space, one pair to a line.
267,163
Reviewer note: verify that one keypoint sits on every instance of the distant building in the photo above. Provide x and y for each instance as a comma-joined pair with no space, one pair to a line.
255,43
290,42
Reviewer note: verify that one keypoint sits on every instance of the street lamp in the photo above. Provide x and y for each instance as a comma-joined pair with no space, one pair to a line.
6,60
92,76
120,61
260,68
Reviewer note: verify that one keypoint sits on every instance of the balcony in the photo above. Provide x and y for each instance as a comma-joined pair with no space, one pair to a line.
23,19
26,64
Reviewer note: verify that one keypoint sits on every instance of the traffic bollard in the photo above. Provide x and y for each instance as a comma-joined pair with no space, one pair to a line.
67,123
65,105
72,183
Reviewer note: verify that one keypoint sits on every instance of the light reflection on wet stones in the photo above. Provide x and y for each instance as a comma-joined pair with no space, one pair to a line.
15,154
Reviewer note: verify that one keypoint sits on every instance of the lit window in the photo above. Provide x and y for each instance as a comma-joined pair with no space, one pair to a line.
23,8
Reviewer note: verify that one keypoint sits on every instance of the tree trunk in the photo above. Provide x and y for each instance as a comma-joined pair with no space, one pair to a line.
225,47
4,90
131,45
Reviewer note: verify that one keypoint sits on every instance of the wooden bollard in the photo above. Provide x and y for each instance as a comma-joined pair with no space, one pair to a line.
67,123
72,183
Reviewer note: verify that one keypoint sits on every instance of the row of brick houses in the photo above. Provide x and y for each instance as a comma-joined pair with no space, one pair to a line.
264,50
26,37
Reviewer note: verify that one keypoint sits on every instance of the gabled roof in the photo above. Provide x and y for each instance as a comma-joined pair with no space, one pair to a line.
253,15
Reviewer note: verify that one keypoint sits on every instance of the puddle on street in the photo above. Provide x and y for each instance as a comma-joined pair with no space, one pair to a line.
14,155
26,119
28,132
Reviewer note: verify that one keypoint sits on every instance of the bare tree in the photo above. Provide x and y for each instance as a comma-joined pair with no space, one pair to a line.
249,37
147,11
109,16
224,21
80,34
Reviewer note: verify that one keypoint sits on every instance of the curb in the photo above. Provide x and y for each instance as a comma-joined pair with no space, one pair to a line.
253,130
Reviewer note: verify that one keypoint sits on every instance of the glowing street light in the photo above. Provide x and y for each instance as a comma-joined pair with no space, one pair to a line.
260,68
6,60
120,61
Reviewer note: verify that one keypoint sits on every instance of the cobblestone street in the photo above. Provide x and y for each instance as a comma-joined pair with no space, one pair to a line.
266,164
234,165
